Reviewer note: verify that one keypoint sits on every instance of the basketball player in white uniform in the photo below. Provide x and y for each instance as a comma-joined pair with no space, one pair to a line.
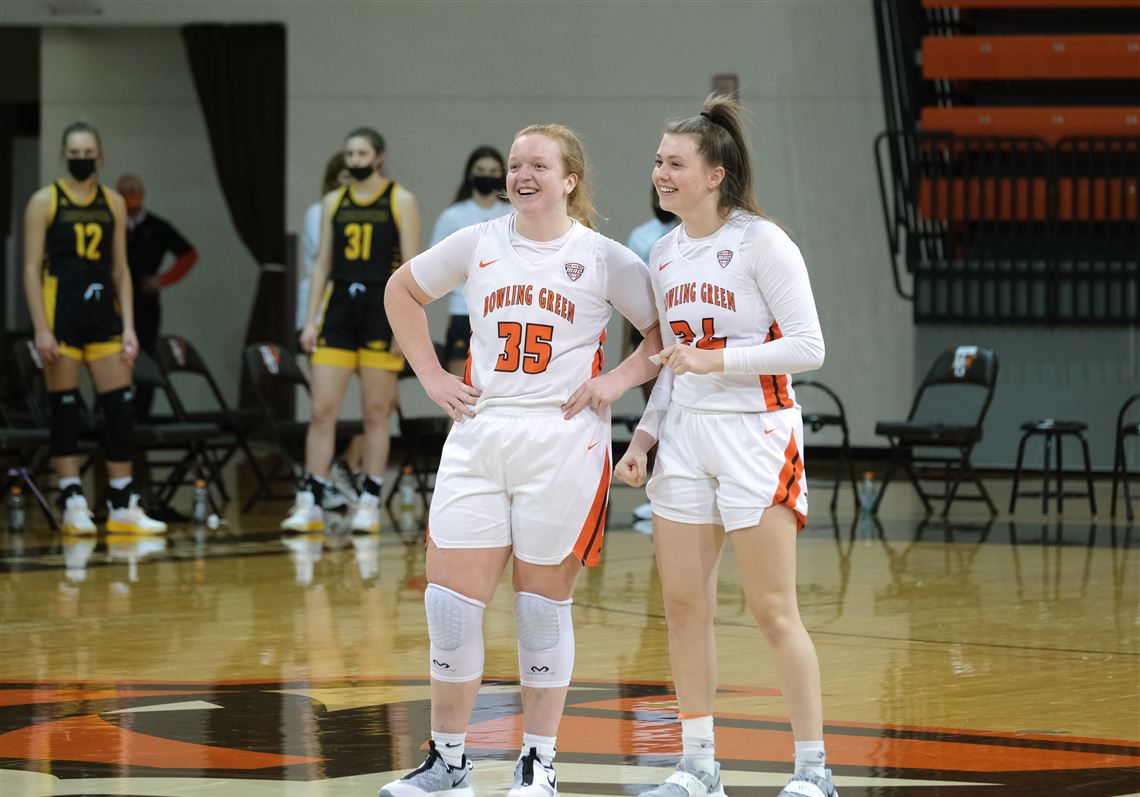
733,290
525,471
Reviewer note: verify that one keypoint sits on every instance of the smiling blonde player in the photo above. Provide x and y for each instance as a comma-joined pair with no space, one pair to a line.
733,289
525,472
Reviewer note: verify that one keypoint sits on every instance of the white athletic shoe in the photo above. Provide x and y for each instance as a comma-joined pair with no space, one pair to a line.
305,514
688,780
132,519
77,516
433,778
534,778
804,784
366,518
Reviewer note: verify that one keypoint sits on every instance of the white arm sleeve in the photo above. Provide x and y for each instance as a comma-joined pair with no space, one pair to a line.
628,287
657,405
444,266
783,281
310,237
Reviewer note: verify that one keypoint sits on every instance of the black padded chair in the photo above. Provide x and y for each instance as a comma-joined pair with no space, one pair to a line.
421,442
189,441
1125,429
268,364
942,418
819,417
178,356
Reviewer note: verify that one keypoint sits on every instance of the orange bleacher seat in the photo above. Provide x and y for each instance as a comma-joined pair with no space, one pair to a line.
1004,4
1049,124
1031,57
991,199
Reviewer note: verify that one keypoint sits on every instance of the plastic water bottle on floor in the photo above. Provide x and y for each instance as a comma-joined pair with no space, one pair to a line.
201,509
406,506
16,515
868,492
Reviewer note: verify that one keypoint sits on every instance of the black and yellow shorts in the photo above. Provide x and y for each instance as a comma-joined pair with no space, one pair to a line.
354,329
83,316
458,337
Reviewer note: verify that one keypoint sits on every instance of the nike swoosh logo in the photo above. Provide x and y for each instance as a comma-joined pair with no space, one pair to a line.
662,266
769,431
449,744
485,263
591,446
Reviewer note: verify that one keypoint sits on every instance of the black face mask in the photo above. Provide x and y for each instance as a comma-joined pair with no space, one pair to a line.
485,184
361,172
81,168
663,216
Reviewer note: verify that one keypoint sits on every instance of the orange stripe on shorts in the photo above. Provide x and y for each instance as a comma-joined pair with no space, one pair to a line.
588,547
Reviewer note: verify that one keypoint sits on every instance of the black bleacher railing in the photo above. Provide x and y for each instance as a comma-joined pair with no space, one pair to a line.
1006,197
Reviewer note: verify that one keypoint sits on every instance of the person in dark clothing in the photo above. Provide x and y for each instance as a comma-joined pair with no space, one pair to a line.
149,239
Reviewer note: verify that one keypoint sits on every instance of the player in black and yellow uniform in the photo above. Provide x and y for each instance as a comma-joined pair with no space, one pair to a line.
78,289
368,228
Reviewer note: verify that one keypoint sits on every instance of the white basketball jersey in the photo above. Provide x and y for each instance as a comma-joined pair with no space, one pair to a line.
711,299
536,328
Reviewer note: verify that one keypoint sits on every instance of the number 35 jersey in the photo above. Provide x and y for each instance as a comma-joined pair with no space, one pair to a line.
745,285
538,309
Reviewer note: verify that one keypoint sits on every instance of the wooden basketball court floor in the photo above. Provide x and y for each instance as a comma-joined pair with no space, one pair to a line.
960,658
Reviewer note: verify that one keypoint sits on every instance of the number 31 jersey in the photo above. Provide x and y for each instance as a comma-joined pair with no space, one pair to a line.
538,311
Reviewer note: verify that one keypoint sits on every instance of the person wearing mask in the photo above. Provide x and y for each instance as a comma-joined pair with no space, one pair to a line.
368,228
481,197
733,290
150,238
78,287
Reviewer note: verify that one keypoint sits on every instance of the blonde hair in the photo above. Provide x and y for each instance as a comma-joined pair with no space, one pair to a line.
723,141
579,205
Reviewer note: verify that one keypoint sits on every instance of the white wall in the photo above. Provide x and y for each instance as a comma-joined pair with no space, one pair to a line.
439,78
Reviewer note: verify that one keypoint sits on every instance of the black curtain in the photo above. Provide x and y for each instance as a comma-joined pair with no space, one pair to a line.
239,72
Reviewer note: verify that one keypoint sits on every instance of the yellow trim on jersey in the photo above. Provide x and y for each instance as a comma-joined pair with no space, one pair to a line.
76,202
70,352
51,293
392,204
381,360
99,351
54,203
372,201
338,358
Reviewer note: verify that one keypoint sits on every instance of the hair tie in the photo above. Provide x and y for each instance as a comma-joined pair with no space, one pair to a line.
714,121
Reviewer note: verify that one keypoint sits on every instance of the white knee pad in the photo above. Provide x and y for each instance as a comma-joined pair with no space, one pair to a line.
455,628
546,640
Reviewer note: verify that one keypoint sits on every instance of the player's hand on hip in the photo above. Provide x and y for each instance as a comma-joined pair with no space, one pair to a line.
130,347
452,394
631,468
47,347
690,360
597,394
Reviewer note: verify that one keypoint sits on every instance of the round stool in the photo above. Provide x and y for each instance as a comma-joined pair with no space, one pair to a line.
1053,431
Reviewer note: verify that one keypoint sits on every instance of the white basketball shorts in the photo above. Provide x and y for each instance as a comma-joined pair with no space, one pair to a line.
527,478
727,468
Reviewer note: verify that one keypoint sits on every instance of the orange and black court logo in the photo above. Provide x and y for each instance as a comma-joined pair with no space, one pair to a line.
246,738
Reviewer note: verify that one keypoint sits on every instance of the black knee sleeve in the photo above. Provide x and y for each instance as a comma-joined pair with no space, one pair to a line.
66,421
119,410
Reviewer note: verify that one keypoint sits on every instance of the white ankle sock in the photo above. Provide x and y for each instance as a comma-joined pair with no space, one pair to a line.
810,756
119,483
697,742
450,746
543,745
67,481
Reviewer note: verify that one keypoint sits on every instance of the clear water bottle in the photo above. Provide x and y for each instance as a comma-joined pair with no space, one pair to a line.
16,515
201,509
868,492
406,506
